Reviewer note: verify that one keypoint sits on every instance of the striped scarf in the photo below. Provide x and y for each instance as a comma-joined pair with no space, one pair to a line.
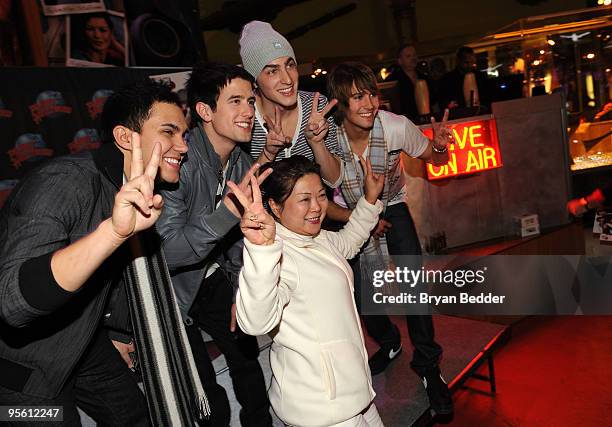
375,249
175,396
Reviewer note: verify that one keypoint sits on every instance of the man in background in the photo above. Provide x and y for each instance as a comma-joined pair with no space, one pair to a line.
406,76
451,86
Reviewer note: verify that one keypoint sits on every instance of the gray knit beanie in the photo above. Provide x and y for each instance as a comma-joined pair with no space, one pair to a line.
260,44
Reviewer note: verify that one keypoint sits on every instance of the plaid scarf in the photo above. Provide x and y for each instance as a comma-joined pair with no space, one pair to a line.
172,386
352,183
353,189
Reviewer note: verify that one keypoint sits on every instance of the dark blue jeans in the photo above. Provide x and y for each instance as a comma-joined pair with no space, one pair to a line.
101,385
402,239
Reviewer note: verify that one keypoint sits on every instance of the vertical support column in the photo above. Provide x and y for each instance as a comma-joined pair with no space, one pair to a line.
404,14
491,373
31,17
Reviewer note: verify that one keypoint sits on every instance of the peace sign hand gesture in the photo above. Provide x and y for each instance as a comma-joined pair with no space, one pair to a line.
257,226
442,132
317,126
374,182
276,139
136,208
245,187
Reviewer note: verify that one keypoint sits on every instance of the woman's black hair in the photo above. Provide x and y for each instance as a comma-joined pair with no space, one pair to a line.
279,185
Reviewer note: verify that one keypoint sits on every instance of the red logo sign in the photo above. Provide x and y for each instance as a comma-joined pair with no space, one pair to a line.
27,151
85,139
475,149
47,108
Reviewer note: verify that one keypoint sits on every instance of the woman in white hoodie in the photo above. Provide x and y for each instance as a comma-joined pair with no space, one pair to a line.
297,286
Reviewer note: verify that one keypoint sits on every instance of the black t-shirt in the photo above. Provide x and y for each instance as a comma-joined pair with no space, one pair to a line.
405,86
451,89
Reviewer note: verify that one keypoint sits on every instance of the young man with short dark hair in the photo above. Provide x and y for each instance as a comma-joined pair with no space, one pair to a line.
381,136
202,242
63,251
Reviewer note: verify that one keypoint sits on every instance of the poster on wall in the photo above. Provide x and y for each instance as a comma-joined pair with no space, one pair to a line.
178,82
97,40
63,7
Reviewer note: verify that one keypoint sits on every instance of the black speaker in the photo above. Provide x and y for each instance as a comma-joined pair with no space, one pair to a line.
165,34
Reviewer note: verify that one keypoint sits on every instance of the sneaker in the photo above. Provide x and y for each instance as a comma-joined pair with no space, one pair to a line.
381,359
438,393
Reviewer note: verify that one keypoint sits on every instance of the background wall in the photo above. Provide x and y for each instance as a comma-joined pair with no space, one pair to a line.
48,112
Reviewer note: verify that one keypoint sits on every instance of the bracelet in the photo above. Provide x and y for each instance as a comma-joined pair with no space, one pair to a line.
266,156
439,150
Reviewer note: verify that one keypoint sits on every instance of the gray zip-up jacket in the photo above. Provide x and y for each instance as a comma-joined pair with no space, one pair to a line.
195,233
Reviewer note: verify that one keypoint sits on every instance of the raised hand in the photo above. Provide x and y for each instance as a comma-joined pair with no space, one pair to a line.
374,182
136,208
257,225
317,126
276,139
443,134
230,200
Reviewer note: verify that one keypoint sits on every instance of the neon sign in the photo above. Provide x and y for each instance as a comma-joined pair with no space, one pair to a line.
475,149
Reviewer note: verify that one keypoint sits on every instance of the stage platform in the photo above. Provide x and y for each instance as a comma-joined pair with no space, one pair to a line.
401,398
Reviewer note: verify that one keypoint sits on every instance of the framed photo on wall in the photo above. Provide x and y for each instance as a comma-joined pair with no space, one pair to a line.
97,40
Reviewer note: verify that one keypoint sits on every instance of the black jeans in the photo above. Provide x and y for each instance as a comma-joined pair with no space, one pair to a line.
402,239
212,313
101,385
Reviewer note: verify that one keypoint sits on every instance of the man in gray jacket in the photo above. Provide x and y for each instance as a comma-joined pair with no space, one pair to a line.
202,242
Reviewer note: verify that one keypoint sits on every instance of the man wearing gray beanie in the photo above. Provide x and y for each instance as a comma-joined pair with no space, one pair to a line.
288,122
